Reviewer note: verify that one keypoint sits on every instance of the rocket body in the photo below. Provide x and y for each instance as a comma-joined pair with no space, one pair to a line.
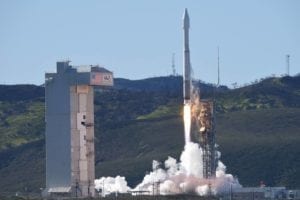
186,58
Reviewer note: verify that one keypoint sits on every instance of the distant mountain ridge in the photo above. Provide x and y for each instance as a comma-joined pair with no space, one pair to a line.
171,84
20,92
160,84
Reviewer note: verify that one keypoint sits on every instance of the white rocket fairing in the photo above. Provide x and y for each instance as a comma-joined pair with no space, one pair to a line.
186,64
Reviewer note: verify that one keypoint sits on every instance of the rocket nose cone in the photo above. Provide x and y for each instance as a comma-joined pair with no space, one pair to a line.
186,11
186,19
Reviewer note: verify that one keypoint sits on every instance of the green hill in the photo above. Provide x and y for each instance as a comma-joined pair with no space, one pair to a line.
268,93
258,131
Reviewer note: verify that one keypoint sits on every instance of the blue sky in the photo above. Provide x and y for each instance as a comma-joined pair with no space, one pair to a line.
135,39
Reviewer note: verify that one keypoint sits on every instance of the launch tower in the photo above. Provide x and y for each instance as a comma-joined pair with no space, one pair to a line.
70,168
202,124
203,132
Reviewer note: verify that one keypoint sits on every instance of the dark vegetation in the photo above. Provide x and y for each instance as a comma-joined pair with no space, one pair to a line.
258,131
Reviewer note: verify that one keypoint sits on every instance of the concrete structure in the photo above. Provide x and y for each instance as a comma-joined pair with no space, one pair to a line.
256,193
293,194
70,169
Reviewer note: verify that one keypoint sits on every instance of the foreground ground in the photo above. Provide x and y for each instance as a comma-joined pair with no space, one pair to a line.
180,197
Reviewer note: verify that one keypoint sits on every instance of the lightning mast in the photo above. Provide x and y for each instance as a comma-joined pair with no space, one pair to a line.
218,83
288,64
173,64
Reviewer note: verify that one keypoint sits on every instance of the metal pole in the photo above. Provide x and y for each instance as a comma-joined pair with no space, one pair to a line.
103,193
76,188
230,191
288,64
218,84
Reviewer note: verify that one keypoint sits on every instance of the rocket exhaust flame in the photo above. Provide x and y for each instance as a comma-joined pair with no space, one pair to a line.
187,122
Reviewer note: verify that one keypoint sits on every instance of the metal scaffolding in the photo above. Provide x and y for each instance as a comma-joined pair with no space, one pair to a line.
203,132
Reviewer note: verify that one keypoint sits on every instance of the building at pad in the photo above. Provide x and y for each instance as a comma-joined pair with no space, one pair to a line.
70,167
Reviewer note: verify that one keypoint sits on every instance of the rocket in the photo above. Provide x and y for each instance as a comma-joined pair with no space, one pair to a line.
186,58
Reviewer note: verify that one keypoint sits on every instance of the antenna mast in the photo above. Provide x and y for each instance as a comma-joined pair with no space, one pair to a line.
218,84
288,64
173,64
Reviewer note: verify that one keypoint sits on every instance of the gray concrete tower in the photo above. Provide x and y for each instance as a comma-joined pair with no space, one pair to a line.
70,167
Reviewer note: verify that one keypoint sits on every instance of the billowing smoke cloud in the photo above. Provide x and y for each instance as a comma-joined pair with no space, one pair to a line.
185,176
176,177
110,185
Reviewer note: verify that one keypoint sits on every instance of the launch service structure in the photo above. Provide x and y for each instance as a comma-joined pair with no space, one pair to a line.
70,168
203,123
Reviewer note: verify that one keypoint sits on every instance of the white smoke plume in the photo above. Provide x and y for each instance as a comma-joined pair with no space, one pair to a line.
110,185
176,177
185,176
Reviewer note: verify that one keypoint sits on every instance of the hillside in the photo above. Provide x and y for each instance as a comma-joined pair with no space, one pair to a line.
268,93
258,131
